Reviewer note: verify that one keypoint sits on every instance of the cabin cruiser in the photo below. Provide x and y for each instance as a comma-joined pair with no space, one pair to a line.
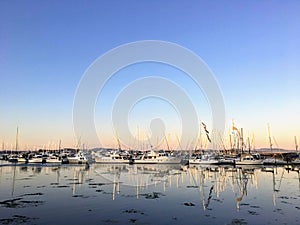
249,159
36,158
78,158
112,157
275,161
53,158
152,157
206,158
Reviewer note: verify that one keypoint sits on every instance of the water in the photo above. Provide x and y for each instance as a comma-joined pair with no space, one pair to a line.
148,194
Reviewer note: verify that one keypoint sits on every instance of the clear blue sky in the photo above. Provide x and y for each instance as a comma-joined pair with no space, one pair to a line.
253,48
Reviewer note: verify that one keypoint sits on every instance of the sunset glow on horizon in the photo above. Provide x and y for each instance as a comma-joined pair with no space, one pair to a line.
251,48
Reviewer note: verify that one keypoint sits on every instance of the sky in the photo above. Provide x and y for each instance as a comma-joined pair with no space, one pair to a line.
251,47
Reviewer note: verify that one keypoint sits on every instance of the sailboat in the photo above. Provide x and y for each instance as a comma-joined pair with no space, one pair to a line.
204,157
14,157
248,158
53,157
274,160
297,160
78,157
114,156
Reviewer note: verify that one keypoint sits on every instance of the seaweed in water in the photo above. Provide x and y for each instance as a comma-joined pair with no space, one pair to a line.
80,196
253,212
153,195
133,220
17,219
11,203
238,222
76,183
133,211
62,186
32,194
19,203
97,184
110,221
191,186
188,204
31,203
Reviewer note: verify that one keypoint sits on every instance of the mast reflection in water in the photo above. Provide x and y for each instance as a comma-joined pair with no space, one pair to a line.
149,194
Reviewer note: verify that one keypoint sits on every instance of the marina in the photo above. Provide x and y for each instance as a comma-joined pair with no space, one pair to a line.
140,194
149,112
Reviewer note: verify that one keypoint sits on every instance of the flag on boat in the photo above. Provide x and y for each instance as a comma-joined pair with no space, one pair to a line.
208,138
204,126
235,129
206,131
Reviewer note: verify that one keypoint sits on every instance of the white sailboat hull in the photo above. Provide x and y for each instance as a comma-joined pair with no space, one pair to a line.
250,162
203,161
109,160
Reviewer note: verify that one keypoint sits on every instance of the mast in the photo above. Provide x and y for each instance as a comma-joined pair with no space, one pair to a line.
59,145
179,142
249,146
17,141
242,141
230,140
296,145
167,143
200,137
149,141
138,137
270,140
119,144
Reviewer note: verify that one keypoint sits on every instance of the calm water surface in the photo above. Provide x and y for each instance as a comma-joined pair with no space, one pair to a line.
148,194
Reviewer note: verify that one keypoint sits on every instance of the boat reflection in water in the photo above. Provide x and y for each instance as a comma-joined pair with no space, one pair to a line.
150,194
